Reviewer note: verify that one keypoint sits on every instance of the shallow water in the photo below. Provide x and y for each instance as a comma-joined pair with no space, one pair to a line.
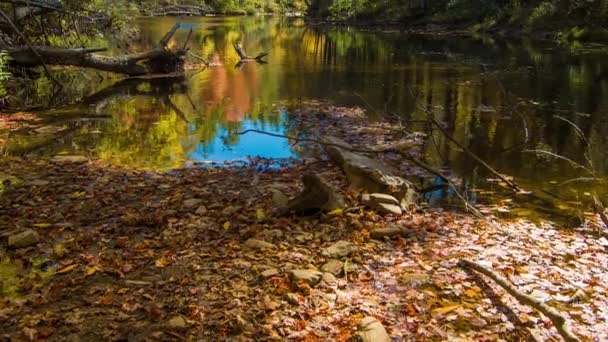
496,97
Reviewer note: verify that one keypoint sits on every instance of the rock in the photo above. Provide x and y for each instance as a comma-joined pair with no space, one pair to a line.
340,249
388,232
279,199
317,195
70,159
371,330
311,277
178,322
368,174
333,266
383,198
191,203
23,239
202,210
383,203
389,209
328,279
258,244
269,273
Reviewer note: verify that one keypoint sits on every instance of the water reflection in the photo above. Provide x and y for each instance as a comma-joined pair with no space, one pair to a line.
496,97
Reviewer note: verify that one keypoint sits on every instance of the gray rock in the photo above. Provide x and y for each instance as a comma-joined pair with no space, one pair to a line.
178,322
191,203
269,273
333,266
312,277
371,330
23,239
340,249
383,198
388,232
368,174
388,208
258,244
383,203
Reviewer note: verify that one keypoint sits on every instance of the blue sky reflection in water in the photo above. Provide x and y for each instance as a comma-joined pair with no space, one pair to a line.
249,145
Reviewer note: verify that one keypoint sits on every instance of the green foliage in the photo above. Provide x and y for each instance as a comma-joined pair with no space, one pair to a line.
4,73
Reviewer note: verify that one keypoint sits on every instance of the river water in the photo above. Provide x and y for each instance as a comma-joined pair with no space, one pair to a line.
496,97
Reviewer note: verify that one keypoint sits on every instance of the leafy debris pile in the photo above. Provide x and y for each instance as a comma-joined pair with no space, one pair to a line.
199,254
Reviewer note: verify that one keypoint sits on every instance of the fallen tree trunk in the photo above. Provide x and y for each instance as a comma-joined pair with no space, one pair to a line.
559,321
159,60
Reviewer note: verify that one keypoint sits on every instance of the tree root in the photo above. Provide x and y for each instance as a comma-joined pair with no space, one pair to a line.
559,320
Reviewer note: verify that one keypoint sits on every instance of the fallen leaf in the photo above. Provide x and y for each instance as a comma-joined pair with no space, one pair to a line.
67,269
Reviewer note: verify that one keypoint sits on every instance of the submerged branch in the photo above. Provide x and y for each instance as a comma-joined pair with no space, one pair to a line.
559,321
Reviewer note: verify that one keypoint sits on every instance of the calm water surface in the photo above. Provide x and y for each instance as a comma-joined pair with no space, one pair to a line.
496,97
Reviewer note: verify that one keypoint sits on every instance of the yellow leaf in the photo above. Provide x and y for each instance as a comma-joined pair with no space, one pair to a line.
90,271
42,225
336,212
67,269
259,213
445,309
473,292
227,225
162,262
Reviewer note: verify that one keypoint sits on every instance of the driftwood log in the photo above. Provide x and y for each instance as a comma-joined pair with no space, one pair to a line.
559,320
245,57
160,60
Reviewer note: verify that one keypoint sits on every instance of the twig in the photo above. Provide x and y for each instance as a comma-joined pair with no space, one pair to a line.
559,156
510,183
192,54
559,321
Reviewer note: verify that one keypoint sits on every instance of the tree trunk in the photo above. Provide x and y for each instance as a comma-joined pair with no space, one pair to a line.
159,60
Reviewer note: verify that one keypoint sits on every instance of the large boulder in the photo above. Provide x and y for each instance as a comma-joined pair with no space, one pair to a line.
370,175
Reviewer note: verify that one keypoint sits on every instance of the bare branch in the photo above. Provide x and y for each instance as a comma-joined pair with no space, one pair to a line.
559,321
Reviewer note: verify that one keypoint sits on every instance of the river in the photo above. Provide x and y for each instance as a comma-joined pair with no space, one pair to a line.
496,97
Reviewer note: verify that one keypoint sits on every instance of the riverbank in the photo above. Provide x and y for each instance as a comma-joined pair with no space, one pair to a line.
203,253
